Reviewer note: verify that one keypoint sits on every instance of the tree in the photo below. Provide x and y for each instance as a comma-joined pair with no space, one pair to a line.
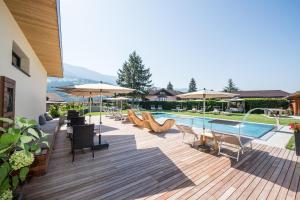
192,85
230,87
135,75
170,86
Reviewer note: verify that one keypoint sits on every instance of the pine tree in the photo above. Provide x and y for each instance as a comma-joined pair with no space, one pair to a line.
170,86
135,75
231,87
192,85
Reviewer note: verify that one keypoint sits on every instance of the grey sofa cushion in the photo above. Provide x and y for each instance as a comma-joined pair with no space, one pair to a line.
50,127
48,117
42,120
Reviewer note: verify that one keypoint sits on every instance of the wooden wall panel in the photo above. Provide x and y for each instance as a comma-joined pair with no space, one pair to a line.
39,21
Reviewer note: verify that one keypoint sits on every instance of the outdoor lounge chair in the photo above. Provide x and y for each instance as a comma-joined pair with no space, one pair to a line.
152,107
154,126
159,107
187,130
82,137
135,119
232,141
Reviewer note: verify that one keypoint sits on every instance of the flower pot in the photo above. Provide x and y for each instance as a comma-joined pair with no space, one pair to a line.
297,143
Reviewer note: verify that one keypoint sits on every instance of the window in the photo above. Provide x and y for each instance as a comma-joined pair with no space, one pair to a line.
16,60
10,102
19,59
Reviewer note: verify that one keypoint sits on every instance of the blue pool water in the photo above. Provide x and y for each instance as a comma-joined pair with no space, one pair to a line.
247,129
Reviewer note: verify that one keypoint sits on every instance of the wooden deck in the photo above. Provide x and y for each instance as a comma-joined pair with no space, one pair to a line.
140,165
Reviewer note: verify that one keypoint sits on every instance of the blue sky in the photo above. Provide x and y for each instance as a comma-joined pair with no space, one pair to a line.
254,42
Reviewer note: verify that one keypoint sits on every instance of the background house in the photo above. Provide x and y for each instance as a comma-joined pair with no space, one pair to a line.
30,51
53,98
262,94
162,95
295,102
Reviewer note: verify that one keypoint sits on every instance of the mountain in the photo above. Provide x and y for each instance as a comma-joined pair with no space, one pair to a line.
76,75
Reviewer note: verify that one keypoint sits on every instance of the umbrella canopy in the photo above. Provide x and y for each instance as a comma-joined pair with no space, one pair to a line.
206,94
95,89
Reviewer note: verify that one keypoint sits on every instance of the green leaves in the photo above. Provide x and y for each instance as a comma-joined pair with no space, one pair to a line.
15,182
25,139
4,171
22,135
6,120
23,173
34,133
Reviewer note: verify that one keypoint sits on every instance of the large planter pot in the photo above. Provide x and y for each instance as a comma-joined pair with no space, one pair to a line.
297,143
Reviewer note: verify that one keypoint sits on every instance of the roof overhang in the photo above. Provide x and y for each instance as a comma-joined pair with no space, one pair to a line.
40,23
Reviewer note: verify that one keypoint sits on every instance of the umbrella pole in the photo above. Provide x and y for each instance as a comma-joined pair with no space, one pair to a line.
204,113
100,109
90,101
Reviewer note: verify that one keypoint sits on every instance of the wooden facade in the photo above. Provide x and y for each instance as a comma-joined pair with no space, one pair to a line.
295,102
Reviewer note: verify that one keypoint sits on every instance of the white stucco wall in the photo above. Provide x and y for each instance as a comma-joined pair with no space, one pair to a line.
30,91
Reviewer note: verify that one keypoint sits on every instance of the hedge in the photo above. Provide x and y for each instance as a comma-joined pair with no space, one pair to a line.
249,104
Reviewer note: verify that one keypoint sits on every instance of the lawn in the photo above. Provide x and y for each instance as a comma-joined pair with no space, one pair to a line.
291,144
259,118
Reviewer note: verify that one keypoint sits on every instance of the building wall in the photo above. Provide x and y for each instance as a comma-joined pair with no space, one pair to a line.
30,99
156,98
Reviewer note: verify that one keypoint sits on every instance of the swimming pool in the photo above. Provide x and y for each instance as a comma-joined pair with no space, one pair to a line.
254,130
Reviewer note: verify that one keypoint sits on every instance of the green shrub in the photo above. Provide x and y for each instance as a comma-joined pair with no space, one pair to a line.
54,110
168,105
265,103
18,144
249,104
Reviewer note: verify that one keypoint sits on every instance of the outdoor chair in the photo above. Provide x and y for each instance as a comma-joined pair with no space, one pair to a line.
187,130
159,107
154,126
152,107
71,114
74,121
82,137
232,141
135,119
77,121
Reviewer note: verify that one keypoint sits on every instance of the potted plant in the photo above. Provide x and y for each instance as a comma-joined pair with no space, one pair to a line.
296,128
18,143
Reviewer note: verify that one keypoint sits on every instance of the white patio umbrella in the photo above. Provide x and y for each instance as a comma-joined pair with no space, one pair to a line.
121,99
206,94
95,89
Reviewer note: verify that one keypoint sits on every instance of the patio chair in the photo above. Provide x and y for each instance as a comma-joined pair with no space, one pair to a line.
71,114
77,121
82,137
187,130
152,107
135,119
216,111
232,141
154,126
159,107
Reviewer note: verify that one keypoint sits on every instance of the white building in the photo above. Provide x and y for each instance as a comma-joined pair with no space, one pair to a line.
30,51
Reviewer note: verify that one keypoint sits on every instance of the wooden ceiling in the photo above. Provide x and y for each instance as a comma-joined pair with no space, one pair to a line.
40,22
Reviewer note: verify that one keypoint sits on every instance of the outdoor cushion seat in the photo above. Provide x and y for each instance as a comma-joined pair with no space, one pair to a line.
48,117
50,126
42,120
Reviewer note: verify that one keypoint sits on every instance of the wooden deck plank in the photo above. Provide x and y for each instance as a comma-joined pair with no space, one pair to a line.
141,165
245,180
